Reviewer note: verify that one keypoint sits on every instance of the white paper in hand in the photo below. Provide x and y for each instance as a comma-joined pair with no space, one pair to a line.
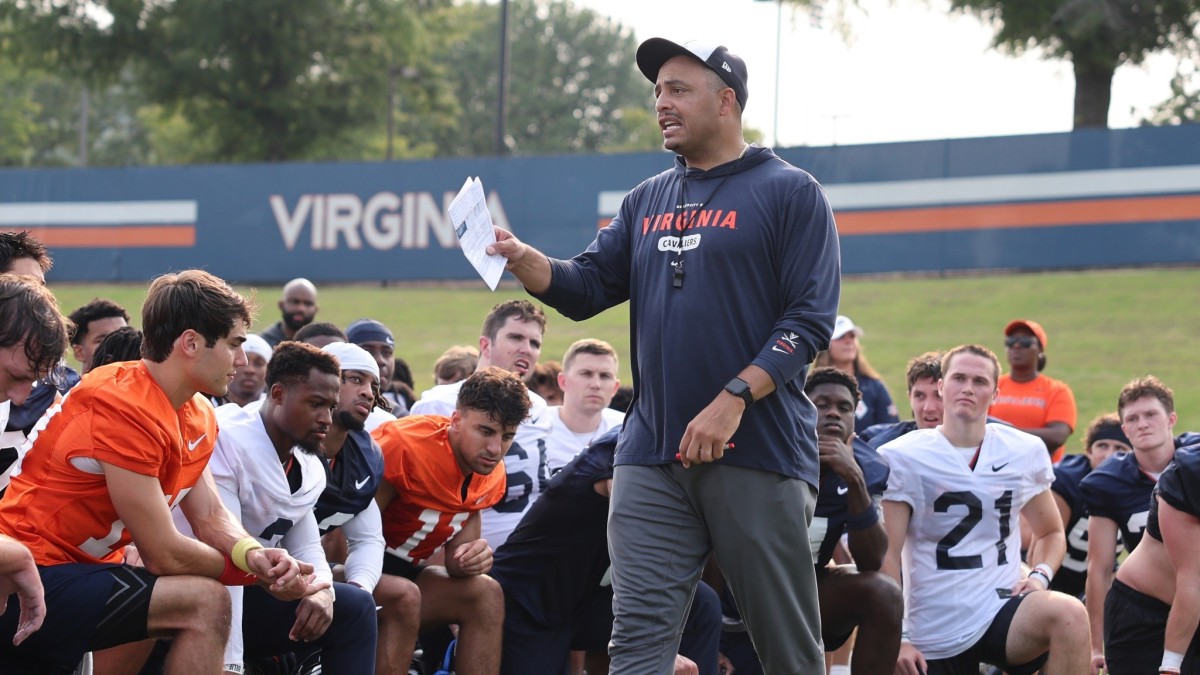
473,226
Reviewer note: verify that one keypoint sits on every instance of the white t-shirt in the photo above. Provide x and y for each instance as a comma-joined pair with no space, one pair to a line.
254,487
963,549
562,444
524,463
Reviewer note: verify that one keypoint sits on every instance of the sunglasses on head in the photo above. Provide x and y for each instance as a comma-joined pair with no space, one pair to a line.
1022,341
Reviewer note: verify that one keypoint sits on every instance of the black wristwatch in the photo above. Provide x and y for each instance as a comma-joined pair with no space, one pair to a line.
738,387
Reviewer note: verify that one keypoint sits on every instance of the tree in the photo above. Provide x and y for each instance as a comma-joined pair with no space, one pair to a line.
573,85
1097,36
251,81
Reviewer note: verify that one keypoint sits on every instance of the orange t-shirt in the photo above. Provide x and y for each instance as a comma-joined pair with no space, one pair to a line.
429,508
58,505
1034,404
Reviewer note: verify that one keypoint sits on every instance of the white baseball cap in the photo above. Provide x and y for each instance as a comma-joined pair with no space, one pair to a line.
843,325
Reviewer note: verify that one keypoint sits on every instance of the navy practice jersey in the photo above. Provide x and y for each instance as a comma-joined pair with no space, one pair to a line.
829,518
351,481
557,557
1120,491
1072,575
1179,486
877,435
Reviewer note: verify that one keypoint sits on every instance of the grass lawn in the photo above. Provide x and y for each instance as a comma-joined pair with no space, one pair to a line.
1104,327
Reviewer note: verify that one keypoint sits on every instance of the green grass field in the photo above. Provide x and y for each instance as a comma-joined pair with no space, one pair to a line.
1104,327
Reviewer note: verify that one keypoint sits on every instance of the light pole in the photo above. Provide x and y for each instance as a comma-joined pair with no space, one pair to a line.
778,42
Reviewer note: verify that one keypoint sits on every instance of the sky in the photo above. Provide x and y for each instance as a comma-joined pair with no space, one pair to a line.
910,70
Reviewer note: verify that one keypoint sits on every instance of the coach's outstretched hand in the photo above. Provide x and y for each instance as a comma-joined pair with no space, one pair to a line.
527,264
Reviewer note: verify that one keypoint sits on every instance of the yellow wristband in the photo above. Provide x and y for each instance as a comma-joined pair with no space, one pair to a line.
240,549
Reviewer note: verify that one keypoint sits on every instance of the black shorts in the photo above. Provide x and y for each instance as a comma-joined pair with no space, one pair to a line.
88,608
1135,627
991,648
399,567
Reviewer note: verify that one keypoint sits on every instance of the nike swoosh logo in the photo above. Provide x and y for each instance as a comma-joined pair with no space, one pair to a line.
842,490
192,444
997,468
359,483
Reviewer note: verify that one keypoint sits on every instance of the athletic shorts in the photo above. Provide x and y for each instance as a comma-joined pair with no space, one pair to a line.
1135,627
88,608
399,567
991,648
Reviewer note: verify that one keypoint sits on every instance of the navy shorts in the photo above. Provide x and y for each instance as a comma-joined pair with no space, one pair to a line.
399,567
1135,627
88,608
991,648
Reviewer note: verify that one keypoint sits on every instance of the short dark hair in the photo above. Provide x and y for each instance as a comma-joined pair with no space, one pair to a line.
189,300
292,362
976,350
98,308
123,344
927,365
522,310
1144,387
1108,423
828,375
496,392
319,329
16,245
29,315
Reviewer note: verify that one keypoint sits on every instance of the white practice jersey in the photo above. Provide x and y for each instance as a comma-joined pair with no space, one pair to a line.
562,444
253,485
963,550
524,463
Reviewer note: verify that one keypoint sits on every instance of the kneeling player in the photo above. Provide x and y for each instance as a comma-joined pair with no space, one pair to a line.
269,470
951,513
853,478
1153,608
439,473
348,505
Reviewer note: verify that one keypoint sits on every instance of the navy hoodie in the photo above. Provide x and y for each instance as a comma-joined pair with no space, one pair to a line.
762,277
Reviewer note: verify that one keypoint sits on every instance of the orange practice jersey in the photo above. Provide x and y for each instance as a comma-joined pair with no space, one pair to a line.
429,508
59,507
1034,404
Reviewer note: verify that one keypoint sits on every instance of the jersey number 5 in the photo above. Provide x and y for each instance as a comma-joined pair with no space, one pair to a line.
943,504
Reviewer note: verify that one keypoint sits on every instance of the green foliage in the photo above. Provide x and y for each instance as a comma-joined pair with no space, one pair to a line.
1183,106
573,85
1105,327
1097,36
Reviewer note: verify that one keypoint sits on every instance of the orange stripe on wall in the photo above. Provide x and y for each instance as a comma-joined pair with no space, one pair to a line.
114,236
991,216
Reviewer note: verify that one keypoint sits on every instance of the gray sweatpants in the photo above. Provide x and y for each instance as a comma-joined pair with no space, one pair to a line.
662,523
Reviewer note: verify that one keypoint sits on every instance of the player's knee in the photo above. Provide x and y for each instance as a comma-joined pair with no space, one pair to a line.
488,596
882,597
399,598
210,606
354,604
1068,617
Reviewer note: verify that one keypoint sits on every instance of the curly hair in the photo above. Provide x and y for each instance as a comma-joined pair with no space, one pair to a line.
189,300
29,316
292,362
499,394
123,344
14,245
827,375
1144,387
98,308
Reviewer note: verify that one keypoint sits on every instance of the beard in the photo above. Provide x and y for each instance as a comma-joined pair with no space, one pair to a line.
311,446
293,324
346,420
